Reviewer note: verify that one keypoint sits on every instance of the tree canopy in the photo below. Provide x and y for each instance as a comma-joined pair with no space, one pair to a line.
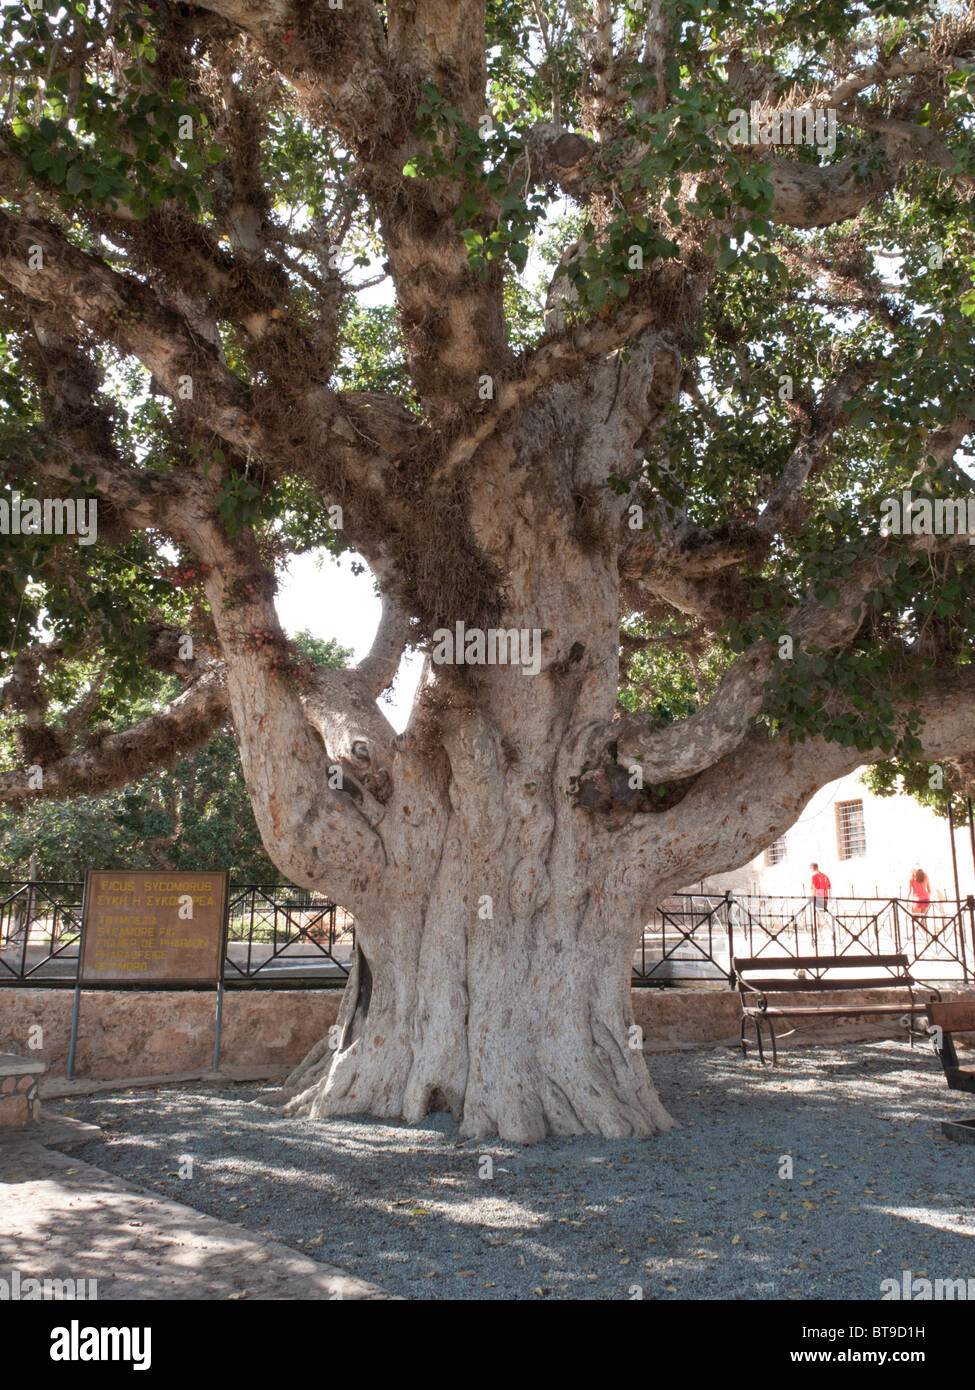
207,187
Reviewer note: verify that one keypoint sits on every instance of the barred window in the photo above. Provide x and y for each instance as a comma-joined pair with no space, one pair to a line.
776,852
851,834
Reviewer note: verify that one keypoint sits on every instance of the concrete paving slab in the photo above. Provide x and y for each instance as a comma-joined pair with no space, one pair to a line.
62,1218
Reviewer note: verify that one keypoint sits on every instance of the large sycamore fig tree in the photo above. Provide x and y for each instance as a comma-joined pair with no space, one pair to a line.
498,297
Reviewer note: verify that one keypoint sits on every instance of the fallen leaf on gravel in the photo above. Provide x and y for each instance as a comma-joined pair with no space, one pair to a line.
316,1240
242,1294
419,1211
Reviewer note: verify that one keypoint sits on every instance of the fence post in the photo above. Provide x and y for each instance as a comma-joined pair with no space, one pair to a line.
961,936
28,923
731,939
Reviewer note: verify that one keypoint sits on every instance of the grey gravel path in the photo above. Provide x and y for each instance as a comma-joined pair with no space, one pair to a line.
701,1212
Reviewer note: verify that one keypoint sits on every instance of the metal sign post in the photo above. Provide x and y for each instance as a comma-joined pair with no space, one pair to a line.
216,1030
75,1012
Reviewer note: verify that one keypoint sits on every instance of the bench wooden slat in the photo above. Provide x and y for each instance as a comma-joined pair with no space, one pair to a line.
787,985
847,1011
953,1015
817,962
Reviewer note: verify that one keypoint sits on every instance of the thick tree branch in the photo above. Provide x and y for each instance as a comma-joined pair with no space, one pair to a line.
751,797
114,759
689,746
319,828
378,667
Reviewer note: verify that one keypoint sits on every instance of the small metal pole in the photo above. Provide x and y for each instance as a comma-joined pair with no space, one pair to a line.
28,924
954,854
216,1033
74,1024
77,982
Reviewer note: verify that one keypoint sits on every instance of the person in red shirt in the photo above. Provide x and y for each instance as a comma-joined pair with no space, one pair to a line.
920,892
820,886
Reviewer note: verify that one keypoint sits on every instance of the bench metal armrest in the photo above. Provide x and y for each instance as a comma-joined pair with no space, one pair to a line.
916,984
753,989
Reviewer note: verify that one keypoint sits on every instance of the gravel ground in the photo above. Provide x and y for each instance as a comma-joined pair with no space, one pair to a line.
701,1212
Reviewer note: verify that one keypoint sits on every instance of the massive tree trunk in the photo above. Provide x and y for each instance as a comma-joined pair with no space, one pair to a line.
492,979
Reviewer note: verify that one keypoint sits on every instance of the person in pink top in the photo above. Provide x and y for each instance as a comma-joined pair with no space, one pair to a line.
920,892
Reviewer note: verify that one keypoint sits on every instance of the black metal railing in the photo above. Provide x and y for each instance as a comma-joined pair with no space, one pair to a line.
687,939
277,935
282,936
696,936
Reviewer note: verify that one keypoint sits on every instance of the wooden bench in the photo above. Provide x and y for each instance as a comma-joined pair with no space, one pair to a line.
945,1018
754,992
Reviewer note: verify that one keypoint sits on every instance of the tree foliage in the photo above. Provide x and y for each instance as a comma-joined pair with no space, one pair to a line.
281,248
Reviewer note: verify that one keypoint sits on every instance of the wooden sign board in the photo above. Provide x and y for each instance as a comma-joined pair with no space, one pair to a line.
153,928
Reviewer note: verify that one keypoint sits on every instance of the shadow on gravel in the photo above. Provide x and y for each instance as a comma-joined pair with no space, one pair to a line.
817,1179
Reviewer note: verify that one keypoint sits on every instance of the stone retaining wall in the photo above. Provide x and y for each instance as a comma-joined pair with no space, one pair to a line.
124,1034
